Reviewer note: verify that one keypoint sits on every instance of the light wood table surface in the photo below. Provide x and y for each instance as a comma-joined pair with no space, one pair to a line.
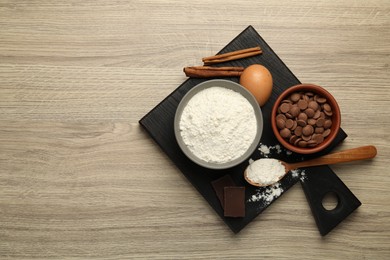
79,177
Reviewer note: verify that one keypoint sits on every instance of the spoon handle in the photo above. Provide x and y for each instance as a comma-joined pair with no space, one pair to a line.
354,154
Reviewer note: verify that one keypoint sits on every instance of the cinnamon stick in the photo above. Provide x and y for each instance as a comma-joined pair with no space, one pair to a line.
234,55
209,72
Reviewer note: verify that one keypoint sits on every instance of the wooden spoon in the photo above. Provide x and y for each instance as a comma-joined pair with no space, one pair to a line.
354,154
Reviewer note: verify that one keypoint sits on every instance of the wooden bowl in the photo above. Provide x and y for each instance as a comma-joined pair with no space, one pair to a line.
336,118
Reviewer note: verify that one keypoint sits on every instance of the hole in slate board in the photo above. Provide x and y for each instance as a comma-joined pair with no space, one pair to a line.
330,201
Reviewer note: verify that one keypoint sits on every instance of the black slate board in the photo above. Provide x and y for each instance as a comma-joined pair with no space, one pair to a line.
159,124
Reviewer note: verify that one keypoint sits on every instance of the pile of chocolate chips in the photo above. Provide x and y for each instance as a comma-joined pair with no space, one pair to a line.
304,119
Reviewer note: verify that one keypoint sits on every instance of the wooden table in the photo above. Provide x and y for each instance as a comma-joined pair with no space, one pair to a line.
79,177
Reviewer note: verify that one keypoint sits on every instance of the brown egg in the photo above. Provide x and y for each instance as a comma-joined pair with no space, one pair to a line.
258,80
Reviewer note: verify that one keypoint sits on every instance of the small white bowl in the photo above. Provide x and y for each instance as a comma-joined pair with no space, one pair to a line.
229,85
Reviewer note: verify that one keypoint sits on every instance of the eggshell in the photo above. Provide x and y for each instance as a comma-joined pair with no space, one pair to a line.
258,80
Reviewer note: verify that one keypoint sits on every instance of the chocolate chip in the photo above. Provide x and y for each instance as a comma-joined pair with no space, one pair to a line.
313,105
288,115
298,131
302,116
327,107
318,138
289,123
302,144
322,115
319,130
295,97
317,114
293,138
294,110
307,130
328,123
321,100
306,98
302,104
281,116
320,122
328,113
297,141
294,126
285,133
309,112
311,121
326,133
285,107
280,123
301,122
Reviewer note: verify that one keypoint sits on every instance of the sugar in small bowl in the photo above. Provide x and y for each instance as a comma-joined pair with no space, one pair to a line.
305,118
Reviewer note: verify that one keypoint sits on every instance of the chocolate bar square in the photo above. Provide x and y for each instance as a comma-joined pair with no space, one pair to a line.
234,198
220,184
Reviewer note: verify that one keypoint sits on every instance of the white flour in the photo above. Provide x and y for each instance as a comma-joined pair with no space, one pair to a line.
266,150
218,125
298,173
268,194
265,171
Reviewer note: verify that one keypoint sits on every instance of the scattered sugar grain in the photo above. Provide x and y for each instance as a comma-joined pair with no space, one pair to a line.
298,173
267,151
295,173
278,148
268,194
303,176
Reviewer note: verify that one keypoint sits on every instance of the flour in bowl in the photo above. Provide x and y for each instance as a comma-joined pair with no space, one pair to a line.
218,125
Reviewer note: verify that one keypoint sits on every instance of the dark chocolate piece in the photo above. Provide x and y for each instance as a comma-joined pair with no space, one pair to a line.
234,202
220,184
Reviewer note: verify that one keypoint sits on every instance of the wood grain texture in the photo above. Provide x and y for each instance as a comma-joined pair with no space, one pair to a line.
79,178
